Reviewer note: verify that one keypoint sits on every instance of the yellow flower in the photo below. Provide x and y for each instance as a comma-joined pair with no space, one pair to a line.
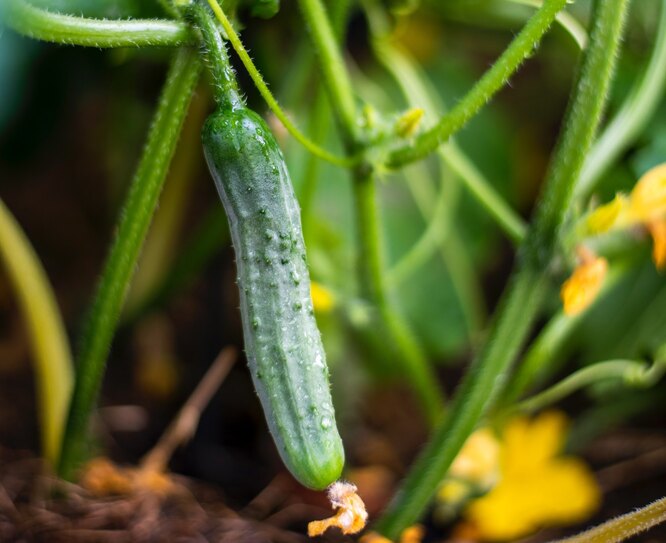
645,206
604,217
322,298
478,460
580,290
648,199
537,488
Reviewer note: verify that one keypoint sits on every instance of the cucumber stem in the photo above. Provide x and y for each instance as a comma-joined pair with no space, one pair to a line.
225,87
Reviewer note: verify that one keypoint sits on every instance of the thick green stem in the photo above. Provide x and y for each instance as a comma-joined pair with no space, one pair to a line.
407,75
46,25
225,87
527,288
493,80
567,21
636,111
130,233
476,393
371,268
371,261
581,123
266,94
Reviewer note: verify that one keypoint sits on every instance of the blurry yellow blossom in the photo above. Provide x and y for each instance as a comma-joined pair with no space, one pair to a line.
580,290
475,470
478,460
412,534
453,491
351,515
537,487
648,198
322,298
604,217
645,206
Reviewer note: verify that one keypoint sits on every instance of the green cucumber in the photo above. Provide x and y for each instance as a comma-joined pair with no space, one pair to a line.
282,342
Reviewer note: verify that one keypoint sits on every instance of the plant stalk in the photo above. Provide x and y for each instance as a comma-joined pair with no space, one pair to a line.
528,286
54,27
521,48
131,230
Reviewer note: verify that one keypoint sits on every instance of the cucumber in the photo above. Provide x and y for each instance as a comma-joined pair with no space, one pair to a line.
282,342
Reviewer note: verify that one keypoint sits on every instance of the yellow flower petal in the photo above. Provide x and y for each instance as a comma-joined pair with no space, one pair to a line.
478,460
581,289
322,298
412,534
529,445
657,229
648,199
536,488
453,491
606,216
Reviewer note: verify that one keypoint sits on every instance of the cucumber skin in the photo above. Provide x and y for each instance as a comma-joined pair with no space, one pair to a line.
282,341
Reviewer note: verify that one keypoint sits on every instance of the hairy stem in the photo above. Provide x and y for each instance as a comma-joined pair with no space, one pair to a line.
493,80
623,527
268,97
527,288
336,77
635,373
637,110
54,27
131,230
372,274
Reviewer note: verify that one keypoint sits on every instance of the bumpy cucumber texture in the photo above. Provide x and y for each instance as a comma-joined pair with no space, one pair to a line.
282,342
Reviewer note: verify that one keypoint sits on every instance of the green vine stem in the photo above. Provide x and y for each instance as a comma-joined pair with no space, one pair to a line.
567,21
54,369
405,72
268,97
333,70
45,25
633,373
636,111
209,236
528,286
132,227
417,177
371,265
623,527
438,210
160,247
522,47
319,124
371,270
225,87
545,354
